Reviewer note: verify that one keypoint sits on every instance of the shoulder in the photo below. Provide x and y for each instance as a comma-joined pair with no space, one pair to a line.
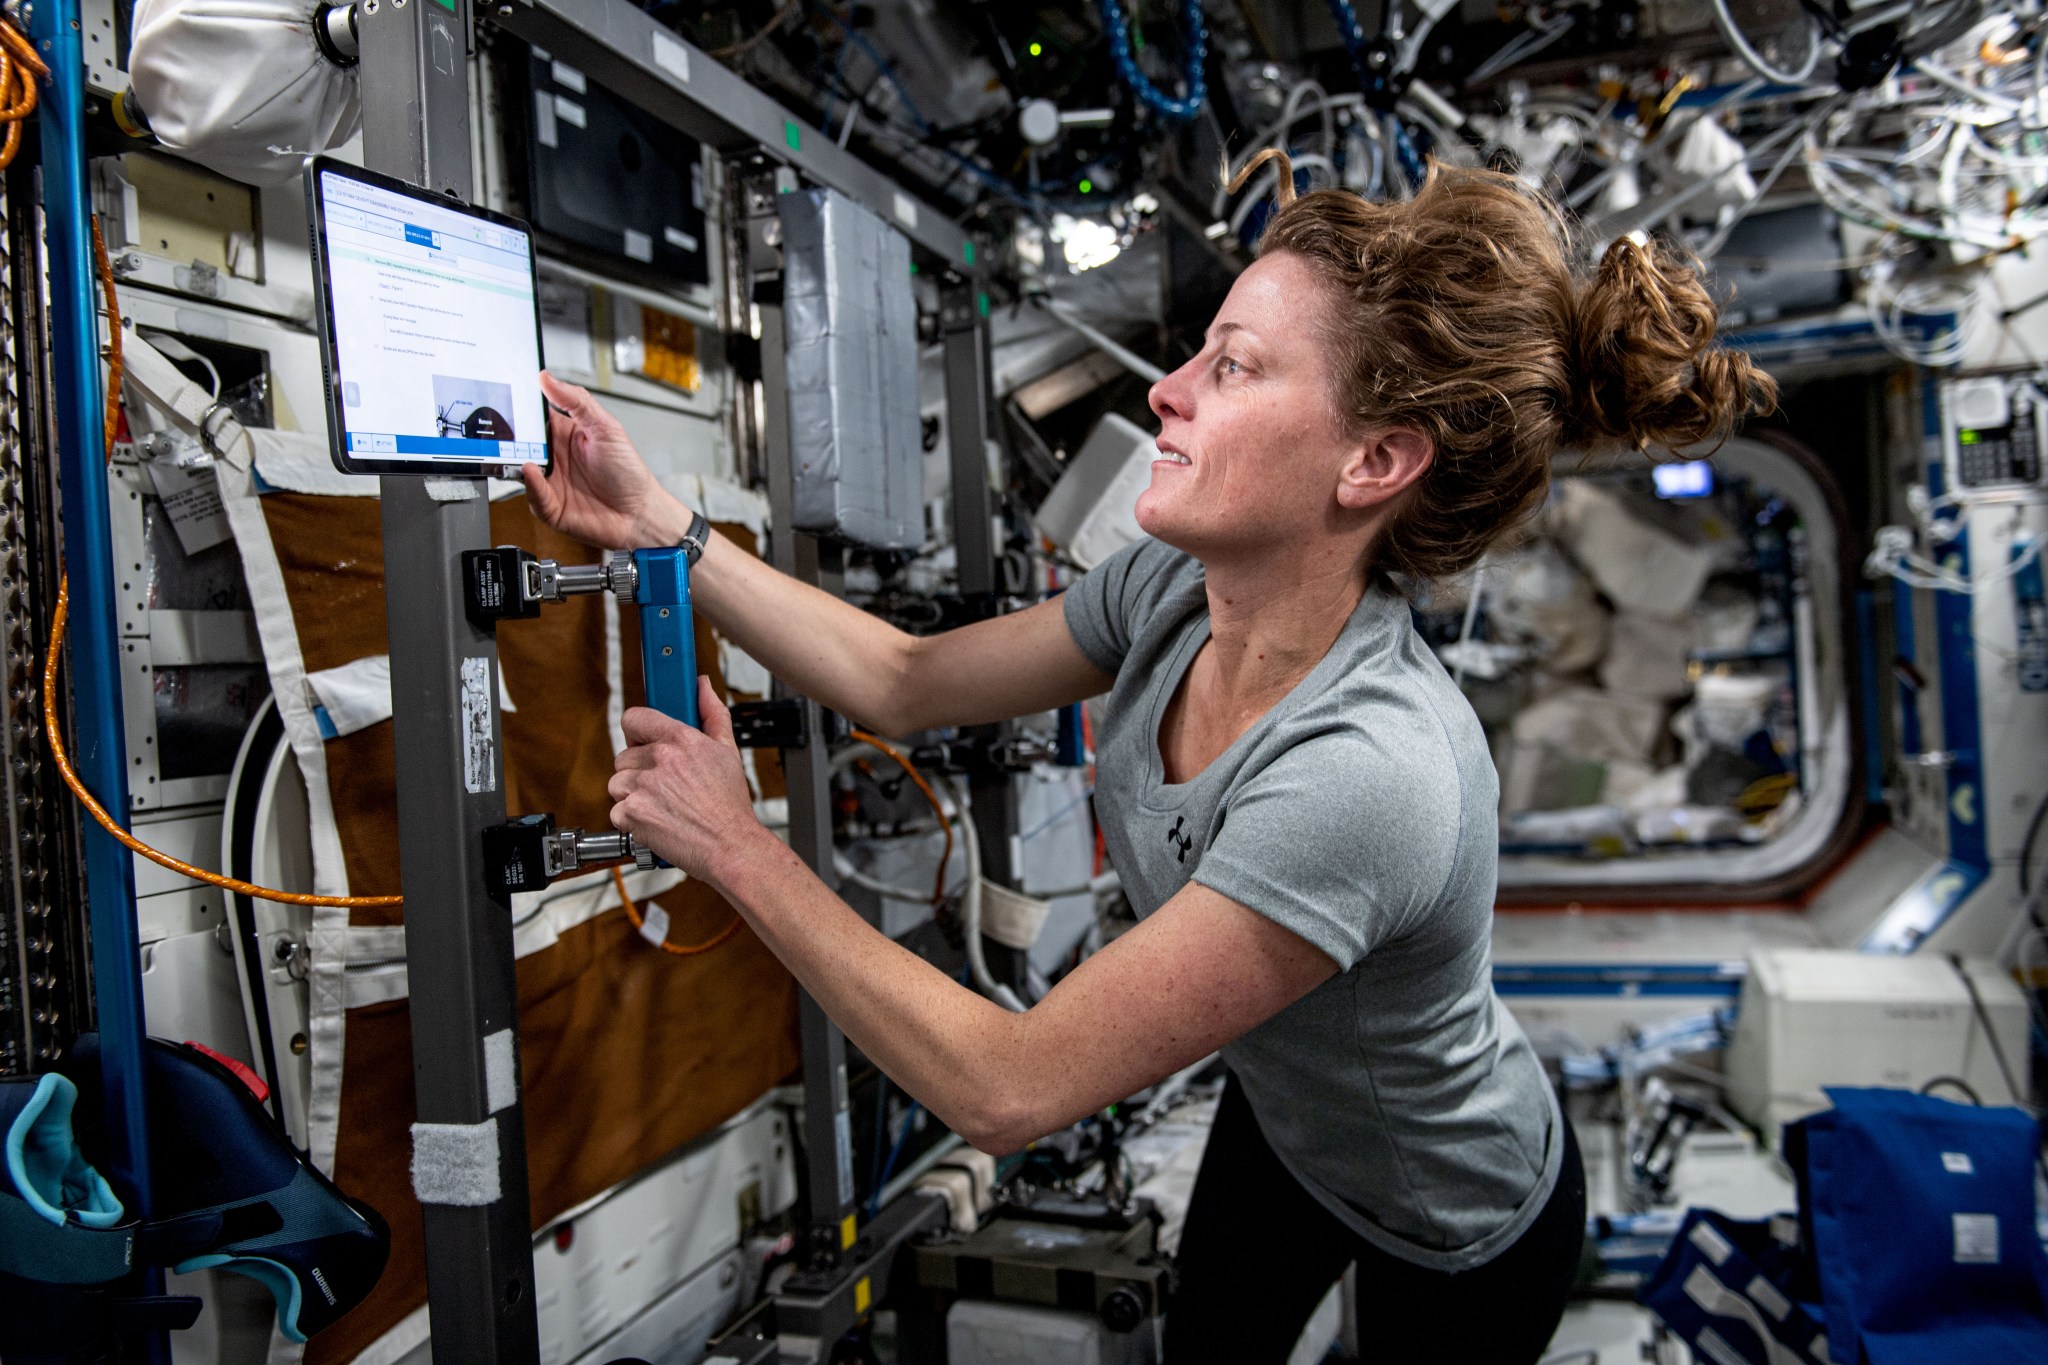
1111,603
1146,567
1391,744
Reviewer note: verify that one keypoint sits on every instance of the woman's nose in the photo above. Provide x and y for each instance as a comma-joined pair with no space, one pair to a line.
1170,397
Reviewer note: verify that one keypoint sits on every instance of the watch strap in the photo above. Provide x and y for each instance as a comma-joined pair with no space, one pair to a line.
696,538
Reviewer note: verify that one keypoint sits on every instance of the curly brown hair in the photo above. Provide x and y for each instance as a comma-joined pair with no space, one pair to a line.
1460,313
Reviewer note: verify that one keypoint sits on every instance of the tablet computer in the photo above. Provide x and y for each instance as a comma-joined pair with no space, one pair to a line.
429,315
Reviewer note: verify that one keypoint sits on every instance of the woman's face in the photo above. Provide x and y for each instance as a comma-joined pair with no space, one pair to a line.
1250,441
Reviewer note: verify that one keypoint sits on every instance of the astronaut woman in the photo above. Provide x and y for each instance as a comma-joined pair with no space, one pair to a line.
1298,800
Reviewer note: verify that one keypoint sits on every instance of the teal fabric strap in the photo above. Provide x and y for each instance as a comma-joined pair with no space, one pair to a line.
34,1248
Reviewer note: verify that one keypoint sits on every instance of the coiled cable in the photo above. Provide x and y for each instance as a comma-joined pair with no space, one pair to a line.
1118,28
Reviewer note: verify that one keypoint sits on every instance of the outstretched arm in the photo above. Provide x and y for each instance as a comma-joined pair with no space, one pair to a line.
600,490
1199,972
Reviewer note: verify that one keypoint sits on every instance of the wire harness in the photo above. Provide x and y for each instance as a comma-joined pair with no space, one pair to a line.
1118,28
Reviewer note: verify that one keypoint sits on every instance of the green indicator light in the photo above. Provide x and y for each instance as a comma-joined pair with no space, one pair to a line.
1037,50
449,5
1968,438
967,252
913,267
792,135
981,302
1087,187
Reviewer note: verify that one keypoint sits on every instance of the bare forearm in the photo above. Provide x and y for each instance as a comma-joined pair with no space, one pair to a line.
963,1058
818,644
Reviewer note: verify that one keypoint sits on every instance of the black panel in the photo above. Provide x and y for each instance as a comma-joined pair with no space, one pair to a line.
1781,264
604,175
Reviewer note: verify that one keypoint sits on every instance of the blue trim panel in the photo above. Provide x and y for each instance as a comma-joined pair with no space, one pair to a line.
1906,667
99,741
1827,341
1933,451
1620,978
1923,908
1620,989
1960,729
2030,617
1734,968
99,738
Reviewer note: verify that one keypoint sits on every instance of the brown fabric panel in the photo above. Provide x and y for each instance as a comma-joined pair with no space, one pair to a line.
626,1053
557,746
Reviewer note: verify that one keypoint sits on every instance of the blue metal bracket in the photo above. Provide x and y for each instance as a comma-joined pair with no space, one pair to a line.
668,635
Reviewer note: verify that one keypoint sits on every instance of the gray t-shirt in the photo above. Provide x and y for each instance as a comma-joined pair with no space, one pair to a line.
1359,813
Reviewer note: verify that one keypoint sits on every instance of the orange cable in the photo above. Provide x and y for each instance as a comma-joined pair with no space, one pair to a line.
20,68
115,365
910,771
55,736
23,49
107,822
680,950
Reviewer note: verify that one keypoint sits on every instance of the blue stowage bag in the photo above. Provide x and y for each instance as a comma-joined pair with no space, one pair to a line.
1726,1290
232,1192
229,1192
1919,1217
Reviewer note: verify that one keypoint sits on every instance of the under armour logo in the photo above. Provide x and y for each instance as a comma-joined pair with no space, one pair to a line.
1181,842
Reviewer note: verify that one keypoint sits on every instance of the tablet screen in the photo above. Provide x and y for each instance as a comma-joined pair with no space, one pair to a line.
435,330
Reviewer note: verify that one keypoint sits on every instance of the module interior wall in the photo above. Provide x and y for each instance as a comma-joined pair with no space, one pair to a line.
626,1053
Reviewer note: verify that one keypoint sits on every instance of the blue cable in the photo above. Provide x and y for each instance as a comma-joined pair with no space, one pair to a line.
1404,147
1118,27
889,1166
1354,38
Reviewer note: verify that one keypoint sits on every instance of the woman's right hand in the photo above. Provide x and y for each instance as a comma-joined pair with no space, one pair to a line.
600,489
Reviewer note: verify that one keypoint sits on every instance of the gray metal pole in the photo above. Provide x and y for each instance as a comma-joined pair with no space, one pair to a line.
464,997
994,790
828,1117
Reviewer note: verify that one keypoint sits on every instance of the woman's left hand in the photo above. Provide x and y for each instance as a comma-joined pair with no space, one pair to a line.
683,792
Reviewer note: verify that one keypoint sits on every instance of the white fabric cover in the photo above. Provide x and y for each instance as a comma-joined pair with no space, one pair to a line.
239,85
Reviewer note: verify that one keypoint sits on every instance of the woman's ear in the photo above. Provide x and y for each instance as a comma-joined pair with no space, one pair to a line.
1382,465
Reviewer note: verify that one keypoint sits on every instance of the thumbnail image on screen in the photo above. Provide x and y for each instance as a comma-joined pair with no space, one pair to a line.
436,343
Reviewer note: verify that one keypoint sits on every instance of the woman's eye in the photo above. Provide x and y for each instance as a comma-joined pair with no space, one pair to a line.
1230,365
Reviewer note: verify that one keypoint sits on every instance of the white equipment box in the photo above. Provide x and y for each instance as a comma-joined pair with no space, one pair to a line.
1091,512
1814,1017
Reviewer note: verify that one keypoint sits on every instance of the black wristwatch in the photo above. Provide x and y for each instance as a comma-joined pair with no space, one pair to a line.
695,539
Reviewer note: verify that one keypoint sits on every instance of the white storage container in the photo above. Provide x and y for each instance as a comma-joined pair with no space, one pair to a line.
1814,1017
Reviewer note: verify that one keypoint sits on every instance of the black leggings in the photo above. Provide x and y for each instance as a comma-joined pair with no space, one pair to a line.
1258,1254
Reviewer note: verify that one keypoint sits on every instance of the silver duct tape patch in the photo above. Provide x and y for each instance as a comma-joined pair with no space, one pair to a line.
479,740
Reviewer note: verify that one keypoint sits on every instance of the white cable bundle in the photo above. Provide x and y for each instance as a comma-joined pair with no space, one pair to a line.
240,86
1895,553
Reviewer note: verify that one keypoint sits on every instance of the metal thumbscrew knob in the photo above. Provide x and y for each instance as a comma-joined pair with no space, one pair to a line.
1122,1311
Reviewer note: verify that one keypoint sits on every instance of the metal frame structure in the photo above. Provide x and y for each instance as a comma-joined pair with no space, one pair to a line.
415,75
416,125
98,734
